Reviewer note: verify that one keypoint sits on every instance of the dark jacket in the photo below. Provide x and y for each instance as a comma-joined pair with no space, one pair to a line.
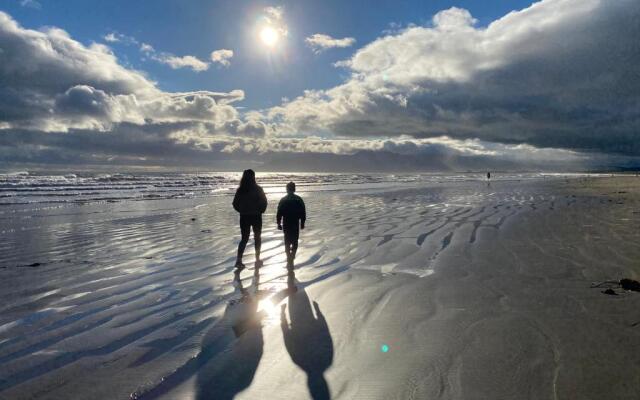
250,202
291,209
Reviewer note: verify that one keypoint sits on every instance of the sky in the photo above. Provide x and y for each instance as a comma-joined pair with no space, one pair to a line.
300,85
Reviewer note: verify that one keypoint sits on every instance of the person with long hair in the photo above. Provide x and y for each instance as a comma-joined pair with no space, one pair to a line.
251,202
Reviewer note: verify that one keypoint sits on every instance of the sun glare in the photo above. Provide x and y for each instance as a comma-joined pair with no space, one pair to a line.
269,36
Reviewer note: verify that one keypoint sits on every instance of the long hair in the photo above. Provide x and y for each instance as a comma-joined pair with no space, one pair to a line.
248,181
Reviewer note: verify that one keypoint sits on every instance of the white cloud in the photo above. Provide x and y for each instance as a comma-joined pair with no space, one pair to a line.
454,19
177,62
558,74
222,57
276,14
111,37
319,42
147,48
274,18
53,83
31,4
116,37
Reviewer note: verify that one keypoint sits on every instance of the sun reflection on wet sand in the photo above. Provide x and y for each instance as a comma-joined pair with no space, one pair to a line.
269,310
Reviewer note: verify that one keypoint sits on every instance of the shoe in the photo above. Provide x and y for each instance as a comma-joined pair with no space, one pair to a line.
239,266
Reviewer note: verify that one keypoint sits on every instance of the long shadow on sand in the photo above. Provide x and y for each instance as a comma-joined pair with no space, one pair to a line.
233,371
230,354
308,340
232,348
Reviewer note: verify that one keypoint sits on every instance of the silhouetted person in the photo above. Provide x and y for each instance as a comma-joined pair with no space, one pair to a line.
488,175
291,218
251,202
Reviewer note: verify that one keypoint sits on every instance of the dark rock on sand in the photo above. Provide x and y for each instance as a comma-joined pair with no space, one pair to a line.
32,265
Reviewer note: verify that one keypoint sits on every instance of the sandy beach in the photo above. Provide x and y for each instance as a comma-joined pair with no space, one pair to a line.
445,289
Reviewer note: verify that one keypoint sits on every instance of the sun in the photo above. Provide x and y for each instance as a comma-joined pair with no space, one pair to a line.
269,36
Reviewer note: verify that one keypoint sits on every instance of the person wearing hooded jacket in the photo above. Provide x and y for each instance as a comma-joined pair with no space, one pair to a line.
250,202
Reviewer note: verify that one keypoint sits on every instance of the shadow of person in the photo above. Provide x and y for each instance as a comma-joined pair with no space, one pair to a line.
307,339
231,372
231,350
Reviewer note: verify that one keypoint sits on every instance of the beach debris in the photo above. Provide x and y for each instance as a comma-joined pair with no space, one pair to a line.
206,231
32,265
625,284
630,284
193,219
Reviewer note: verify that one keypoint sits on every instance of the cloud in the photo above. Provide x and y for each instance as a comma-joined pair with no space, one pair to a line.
31,4
453,19
116,37
552,86
147,48
275,14
320,42
222,57
52,83
173,61
558,74
274,18
111,37
177,62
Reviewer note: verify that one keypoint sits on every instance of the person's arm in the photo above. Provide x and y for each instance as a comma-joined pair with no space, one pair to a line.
236,202
279,215
263,201
303,214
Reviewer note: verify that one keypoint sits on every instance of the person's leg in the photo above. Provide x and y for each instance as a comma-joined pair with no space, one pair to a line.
287,246
257,236
244,238
294,243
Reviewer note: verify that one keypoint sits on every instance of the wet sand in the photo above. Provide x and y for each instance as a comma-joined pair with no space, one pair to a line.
455,290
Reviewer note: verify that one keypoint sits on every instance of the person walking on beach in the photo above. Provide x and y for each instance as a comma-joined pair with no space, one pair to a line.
251,202
291,218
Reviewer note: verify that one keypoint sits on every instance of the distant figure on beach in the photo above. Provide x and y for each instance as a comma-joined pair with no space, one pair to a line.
488,175
291,218
251,202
